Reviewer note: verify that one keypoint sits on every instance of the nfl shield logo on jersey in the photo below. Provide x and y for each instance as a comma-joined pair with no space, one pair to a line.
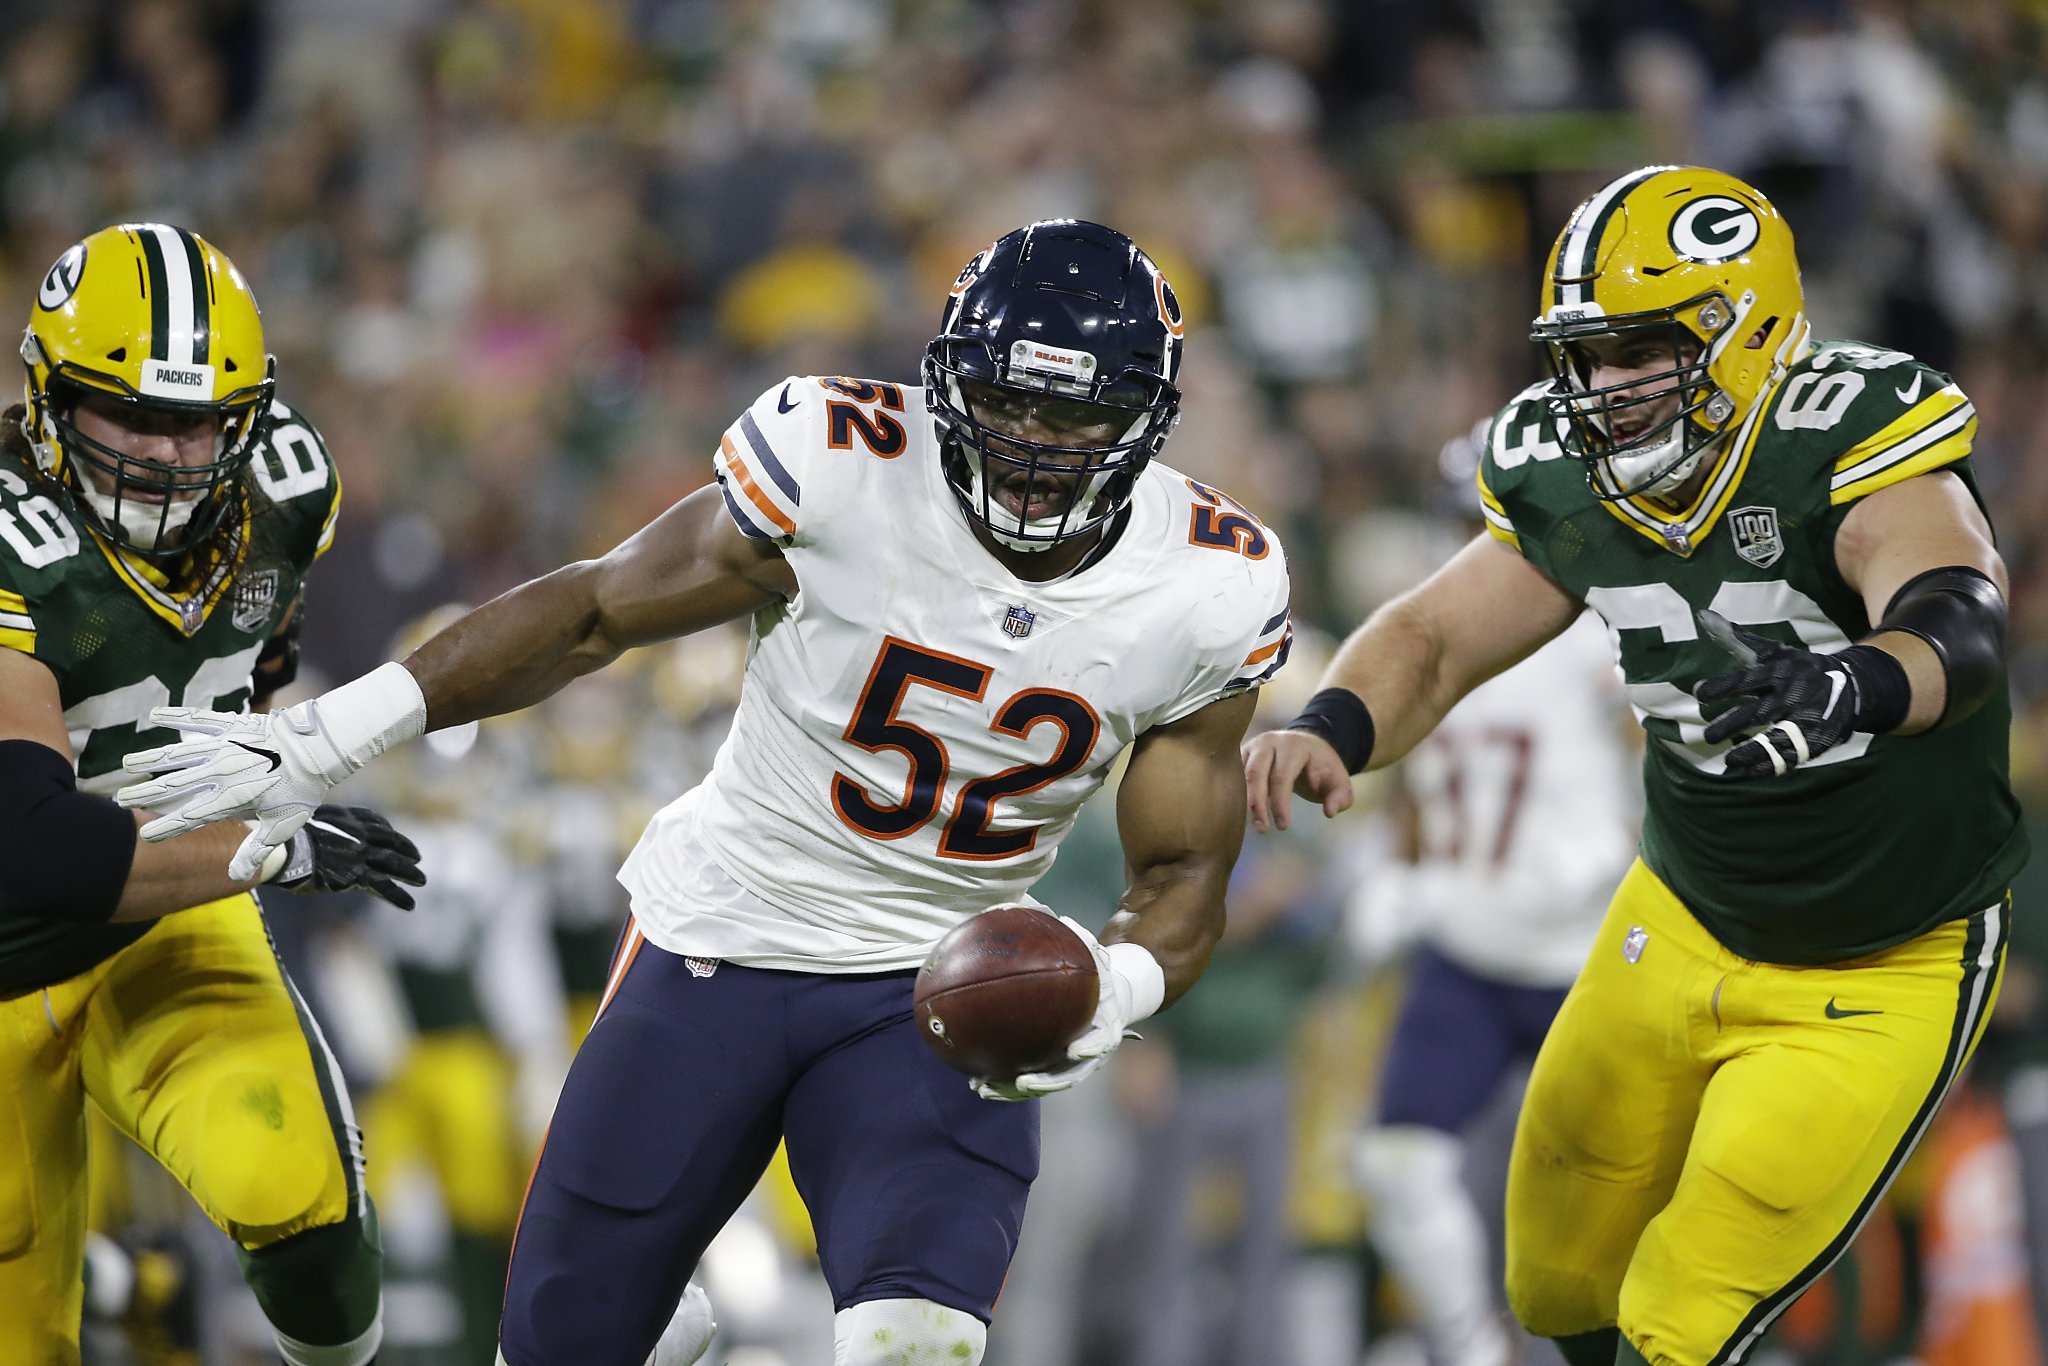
1018,622
1756,535
701,967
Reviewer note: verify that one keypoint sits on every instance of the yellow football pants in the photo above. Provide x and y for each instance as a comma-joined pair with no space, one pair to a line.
1704,1134
196,1047
449,1107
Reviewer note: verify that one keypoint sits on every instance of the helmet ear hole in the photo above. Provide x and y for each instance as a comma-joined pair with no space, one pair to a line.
1762,334
118,354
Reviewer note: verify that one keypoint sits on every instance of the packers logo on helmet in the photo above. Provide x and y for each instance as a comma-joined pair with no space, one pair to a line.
1683,282
152,325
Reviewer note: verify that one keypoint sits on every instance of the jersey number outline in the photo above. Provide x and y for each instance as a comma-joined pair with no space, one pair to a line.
1222,523
876,726
35,527
866,416
1456,751
1662,608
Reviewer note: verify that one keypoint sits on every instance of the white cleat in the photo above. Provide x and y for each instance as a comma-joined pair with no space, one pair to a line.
689,1333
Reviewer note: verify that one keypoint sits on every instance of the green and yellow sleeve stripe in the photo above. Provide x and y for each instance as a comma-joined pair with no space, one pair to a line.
1934,432
1497,521
17,627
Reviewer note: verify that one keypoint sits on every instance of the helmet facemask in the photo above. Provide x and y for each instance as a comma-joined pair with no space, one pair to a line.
1648,434
158,512
1103,431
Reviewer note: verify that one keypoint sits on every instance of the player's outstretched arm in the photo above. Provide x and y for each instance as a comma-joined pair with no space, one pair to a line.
1397,675
71,855
689,568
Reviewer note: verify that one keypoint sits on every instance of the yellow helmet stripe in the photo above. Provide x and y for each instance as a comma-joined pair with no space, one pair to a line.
180,330
1579,252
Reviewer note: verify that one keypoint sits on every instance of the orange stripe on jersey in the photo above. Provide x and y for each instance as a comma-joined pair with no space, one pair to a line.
753,490
1263,652
627,953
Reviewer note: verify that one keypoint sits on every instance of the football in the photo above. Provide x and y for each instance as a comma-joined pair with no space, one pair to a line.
1005,993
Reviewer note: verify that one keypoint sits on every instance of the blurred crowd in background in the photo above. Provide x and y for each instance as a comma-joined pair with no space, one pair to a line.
522,260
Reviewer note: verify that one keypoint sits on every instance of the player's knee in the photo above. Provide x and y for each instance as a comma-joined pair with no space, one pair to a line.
320,1291
1551,1298
269,1163
907,1333
1400,1165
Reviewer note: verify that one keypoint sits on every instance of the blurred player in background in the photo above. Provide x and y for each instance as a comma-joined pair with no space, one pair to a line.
483,1042
159,510
1794,971
1518,814
968,600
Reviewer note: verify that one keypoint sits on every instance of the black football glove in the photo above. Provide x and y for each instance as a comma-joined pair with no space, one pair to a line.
348,847
1801,704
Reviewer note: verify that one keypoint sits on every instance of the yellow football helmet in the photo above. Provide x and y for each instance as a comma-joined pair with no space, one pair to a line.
155,318
1678,260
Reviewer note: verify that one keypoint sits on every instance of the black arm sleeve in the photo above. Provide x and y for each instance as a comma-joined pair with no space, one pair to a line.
1960,614
64,854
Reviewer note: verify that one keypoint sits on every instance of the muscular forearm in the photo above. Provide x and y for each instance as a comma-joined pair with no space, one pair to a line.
515,650
1176,912
1395,664
190,870
1924,676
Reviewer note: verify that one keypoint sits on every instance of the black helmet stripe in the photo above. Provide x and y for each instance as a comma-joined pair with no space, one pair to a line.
202,325
1576,255
180,332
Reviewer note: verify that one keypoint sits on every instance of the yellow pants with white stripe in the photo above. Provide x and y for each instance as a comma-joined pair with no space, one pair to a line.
194,1045
1704,1134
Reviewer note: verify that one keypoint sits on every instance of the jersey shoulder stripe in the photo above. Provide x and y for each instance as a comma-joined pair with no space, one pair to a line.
17,627
1498,524
1938,430
760,461
1269,652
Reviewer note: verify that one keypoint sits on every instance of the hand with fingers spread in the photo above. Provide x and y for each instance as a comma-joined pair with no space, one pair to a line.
1314,758
1799,704
270,768
343,848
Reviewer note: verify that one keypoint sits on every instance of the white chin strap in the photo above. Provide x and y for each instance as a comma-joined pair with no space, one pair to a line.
1625,469
138,520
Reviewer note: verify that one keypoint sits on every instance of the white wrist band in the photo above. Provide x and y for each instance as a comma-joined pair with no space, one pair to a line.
369,715
1141,973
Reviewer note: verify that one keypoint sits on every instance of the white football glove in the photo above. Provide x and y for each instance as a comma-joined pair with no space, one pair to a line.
1131,986
273,769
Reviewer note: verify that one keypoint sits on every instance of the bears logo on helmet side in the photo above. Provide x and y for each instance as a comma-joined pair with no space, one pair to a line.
1059,315
1692,259
156,319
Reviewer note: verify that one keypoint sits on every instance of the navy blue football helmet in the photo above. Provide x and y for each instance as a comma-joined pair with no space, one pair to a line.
1052,380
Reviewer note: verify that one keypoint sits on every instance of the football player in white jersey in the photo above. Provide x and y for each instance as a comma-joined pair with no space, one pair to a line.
1521,810
967,601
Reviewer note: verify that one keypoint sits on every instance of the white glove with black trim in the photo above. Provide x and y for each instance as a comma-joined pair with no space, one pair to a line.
1131,986
343,848
270,768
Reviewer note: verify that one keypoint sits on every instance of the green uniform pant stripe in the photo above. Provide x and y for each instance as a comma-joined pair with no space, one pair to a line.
341,1120
1983,948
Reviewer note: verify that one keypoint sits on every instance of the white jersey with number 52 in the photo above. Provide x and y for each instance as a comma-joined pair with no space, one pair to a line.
918,727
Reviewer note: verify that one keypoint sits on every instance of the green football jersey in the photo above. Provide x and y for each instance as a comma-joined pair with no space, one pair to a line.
119,643
1880,838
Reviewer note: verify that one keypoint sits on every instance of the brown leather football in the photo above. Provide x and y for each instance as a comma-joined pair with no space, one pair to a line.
1005,993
